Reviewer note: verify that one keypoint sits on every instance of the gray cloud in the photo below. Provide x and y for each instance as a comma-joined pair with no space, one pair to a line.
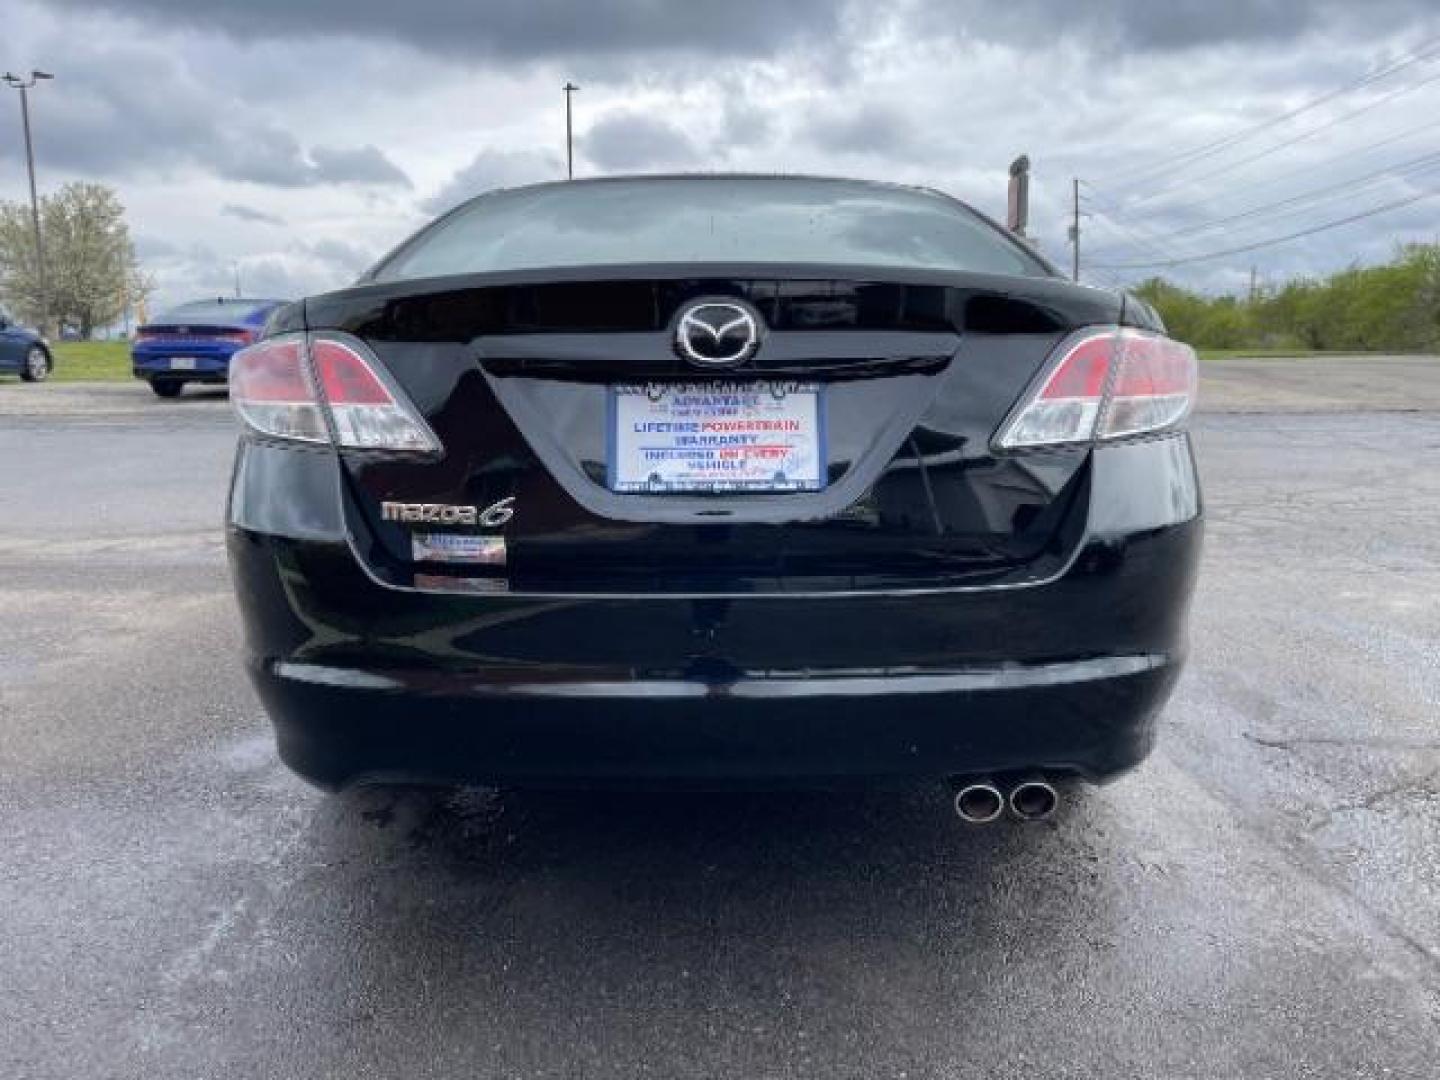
1160,25
299,269
265,155
744,124
553,29
99,119
538,29
271,276
345,257
941,92
1186,24
153,247
360,165
249,213
868,129
103,121
633,141
493,168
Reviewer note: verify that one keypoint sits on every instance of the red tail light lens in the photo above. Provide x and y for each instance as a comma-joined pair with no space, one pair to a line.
345,376
237,337
367,413
1108,383
286,387
1154,388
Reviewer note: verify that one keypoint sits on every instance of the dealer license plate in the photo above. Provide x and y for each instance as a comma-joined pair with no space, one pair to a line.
717,437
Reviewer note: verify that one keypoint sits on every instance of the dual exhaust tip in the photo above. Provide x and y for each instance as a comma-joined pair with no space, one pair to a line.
982,802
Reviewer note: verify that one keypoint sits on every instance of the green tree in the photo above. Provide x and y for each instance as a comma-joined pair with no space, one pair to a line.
1417,319
91,272
1183,311
1394,306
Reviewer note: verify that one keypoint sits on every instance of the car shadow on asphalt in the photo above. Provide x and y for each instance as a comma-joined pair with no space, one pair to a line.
479,832
620,907
196,393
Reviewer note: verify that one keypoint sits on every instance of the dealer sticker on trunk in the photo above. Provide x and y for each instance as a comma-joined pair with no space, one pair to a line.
717,436
457,548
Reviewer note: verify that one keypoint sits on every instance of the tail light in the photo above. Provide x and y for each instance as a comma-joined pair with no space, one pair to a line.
235,337
1109,383
321,388
272,390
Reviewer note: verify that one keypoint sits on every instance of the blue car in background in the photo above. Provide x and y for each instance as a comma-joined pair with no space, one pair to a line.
24,352
193,343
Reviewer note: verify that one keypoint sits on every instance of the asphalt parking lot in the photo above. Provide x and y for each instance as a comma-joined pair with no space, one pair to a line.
1262,899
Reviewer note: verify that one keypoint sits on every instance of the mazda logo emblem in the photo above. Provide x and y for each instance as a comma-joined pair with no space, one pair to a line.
717,333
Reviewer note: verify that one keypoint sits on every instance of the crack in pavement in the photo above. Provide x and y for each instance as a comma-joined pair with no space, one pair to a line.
1373,742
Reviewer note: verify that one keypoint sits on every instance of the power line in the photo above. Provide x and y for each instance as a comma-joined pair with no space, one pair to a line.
1346,155
1111,223
1158,243
1136,241
1420,164
1107,278
1396,205
1112,215
1277,147
1426,51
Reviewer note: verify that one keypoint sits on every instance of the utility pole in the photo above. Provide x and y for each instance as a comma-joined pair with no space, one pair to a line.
1075,230
24,86
1254,284
570,88
238,294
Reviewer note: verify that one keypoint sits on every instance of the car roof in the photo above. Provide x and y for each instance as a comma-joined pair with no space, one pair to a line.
725,177
237,301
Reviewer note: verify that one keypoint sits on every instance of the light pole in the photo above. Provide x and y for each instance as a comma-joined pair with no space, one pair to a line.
1075,231
570,88
24,86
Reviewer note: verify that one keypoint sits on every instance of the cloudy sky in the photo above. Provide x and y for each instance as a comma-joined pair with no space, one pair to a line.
297,140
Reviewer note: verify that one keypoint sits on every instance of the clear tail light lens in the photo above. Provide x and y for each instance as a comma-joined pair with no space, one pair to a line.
304,387
1109,383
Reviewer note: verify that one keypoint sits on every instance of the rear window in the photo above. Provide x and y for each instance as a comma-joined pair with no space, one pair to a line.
217,311
709,219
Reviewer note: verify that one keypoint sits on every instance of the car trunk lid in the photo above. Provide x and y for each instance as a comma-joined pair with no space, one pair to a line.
516,375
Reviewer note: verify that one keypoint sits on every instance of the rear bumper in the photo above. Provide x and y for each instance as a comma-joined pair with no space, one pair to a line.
339,726
210,366
367,682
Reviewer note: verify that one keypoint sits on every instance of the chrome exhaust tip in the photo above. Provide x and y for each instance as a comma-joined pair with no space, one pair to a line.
1033,800
979,804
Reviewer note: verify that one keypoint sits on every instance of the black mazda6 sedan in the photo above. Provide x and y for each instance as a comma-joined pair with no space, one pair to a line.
714,480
